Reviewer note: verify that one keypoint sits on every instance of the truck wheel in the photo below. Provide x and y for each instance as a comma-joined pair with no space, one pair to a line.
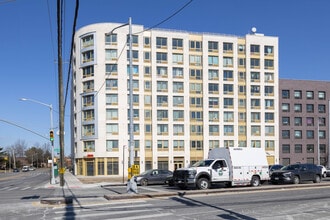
296,180
255,181
317,179
203,183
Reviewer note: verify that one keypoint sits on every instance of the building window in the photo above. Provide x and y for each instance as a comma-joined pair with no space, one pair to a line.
321,95
146,41
161,42
111,99
178,87
286,134
177,58
228,130
255,90
285,94
111,84
285,149
162,100
161,57
227,47
162,129
255,76
111,54
112,128
241,76
310,134
196,102
269,77
322,134
161,71
321,108
111,114
213,74
269,103
110,39
298,121
196,116
227,116
213,46
177,43
310,148
310,121
89,146
162,86
196,129
255,130
213,102
298,148
146,56
227,62
196,145
213,130
178,115
255,103
178,101
269,117
310,95
195,60
241,48
113,166
310,108
269,64
268,50
269,91
178,145
111,68
213,60
297,108
177,72
254,49
255,116
285,120
162,115
195,74
228,75
241,62
214,144
269,130
322,148
255,143
178,129
88,130
228,102
87,41
112,145
195,45
298,134
297,94
269,145
195,88
88,71
88,56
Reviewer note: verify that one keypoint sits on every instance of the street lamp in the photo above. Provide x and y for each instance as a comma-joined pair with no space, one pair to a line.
50,106
131,185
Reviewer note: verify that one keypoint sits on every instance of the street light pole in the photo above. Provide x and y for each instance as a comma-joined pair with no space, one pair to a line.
50,106
131,184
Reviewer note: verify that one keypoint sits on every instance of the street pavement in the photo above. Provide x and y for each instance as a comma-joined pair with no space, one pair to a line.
76,191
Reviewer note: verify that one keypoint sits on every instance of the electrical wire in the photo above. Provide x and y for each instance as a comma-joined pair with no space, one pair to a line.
71,50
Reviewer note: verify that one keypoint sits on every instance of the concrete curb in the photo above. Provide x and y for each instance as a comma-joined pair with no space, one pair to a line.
57,200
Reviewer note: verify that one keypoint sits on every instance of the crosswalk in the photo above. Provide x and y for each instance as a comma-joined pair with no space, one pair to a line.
115,211
21,188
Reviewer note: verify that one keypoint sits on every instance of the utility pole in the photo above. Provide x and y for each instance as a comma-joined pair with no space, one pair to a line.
60,91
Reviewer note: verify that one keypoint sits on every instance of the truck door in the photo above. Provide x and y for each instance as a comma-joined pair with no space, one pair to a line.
220,171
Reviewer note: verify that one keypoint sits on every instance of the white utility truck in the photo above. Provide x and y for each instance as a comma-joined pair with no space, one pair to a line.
234,166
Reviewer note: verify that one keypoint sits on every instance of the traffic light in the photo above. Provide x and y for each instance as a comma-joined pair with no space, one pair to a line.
51,135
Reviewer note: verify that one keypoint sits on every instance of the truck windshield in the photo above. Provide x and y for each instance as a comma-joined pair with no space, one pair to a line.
203,163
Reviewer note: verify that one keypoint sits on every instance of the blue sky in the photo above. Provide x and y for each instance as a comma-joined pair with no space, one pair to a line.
28,45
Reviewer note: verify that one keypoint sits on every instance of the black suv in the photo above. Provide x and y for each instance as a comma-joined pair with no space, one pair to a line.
296,173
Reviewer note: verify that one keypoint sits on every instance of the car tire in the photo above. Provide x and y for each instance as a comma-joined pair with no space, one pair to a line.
203,183
144,182
255,181
170,183
324,175
317,179
296,180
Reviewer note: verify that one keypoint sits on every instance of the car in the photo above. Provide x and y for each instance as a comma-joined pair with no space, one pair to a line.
153,176
324,170
25,168
274,167
15,170
32,168
297,173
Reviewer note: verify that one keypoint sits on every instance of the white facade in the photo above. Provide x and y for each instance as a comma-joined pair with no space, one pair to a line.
192,92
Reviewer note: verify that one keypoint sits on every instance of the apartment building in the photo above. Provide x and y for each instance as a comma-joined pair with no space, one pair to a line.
304,121
191,92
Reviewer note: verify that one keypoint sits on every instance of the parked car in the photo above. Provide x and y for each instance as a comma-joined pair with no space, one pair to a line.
32,168
296,173
25,168
15,170
274,167
153,176
324,170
